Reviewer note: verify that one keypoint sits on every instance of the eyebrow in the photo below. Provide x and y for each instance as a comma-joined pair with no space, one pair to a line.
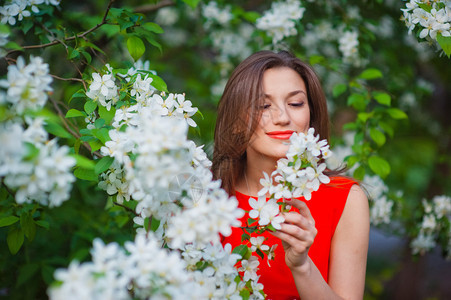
290,94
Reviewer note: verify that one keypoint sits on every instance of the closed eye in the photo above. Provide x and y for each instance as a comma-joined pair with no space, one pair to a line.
265,106
299,104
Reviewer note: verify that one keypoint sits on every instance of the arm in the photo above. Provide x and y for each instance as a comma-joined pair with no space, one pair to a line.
348,250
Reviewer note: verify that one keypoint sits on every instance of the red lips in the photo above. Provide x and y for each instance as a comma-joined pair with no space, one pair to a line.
280,135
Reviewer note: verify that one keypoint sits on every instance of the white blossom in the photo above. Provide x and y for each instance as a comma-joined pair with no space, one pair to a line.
280,21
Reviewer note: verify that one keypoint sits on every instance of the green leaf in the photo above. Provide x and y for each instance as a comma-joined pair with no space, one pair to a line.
87,56
57,130
158,83
28,225
73,53
153,27
31,151
88,138
91,45
379,166
316,59
85,174
99,123
26,25
103,164
26,272
369,74
245,294
154,224
13,45
396,113
90,106
102,134
363,116
83,162
260,253
10,220
136,47
339,89
251,16
43,224
3,196
242,250
350,126
357,101
377,136
95,145
15,240
72,113
387,128
359,173
382,98
351,160
106,114
79,94
424,6
192,3
245,237
153,42
445,43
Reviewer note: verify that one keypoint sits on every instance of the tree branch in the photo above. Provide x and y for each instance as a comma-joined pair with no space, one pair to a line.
126,208
81,35
67,79
152,7
75,134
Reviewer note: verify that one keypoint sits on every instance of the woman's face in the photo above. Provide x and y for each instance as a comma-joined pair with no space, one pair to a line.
285,110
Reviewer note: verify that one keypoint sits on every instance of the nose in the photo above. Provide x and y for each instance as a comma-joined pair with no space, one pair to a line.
279,115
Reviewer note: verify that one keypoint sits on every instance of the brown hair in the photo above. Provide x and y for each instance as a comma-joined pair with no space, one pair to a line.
238,111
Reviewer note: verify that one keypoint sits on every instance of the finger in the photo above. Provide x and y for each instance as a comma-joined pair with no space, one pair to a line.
299,220
301,206
306,235
297,245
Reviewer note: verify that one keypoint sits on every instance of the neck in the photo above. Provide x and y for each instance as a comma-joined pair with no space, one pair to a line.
250,183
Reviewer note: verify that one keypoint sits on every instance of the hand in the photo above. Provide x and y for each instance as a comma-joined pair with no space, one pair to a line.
297,234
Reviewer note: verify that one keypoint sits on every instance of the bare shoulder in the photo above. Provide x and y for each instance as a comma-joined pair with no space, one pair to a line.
357,194
356,210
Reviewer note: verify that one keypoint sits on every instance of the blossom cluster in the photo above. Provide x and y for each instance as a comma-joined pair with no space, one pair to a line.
430,17
167,175
215,14
28,85
130,273
437,213
297,175
36,168
280,21
16,10
348,45
381,205
143,269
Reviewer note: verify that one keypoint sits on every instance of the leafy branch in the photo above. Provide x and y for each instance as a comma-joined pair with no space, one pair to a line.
78,36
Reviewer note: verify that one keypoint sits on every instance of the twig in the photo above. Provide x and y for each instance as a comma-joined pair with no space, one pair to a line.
8,190
126,208
152,7
75,134
66,79
63,119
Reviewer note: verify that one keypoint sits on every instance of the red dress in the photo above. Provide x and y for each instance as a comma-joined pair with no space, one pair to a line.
326,207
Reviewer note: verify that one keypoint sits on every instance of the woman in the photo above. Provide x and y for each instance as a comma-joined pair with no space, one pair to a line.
323,242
